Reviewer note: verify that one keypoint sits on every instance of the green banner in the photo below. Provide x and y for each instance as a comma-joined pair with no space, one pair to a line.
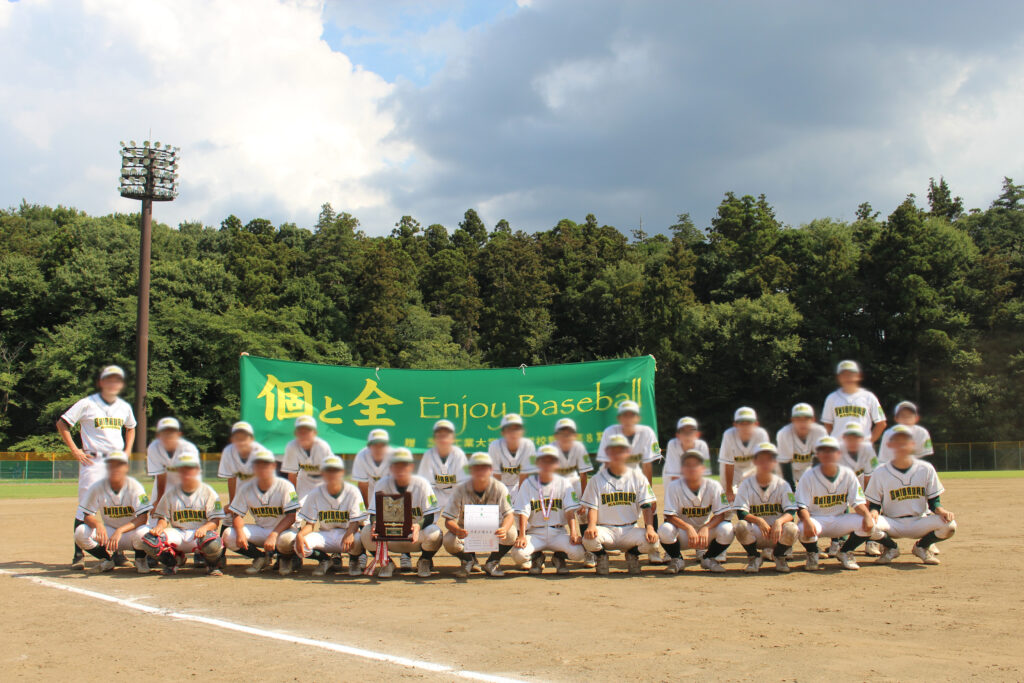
349,402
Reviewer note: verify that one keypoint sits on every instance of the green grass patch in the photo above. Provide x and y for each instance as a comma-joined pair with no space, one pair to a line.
992,474
64,489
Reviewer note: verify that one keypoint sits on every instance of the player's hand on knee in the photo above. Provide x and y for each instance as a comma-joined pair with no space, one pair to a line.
347,541
415,536
947,515
114,541
101,536
576,540
270,545
590,534
520,541
702,537
300,545
243,542
501,533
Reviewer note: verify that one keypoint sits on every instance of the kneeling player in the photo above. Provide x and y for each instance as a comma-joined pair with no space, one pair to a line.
544,504
904,496
426,536
695,512
482,488
272,502
188,518
765,505
114,511
339,510
615,499
826,494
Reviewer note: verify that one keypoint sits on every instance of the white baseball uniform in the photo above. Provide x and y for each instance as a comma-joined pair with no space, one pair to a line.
796,450
767,502
233,465
619,502
266,507
305,465
115,509
366,470
863,462
511,464
828,501
739,453
557,499
644,446
922,444
424,503
100,424
159,461
696,508
333,514
903,498
444,474
186,512
861,407
674,452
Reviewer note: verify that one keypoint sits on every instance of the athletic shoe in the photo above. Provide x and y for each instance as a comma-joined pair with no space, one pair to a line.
258,565
321,568
888,556
632,563
601,564
536,563
781,564
103,566
833,548
526,566
873,549
560,566
198,560
464,569
362,561
387,571
675,565
142,565
589,560
424,567
170,571
353,566
767,554
119,559
287,565
78,562
813,563
712,565
493,568
215,571
699,554
405,563
336,562
934,548
476,568
846,560
926,554
180,560
656,556
754,565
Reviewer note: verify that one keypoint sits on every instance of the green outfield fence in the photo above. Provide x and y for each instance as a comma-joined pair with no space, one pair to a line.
948,457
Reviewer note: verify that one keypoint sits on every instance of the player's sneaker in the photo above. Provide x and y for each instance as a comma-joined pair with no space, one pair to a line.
215,570
119,559
873,549
476,568
336,563
103,566
656,556
781,564
754,565
387,571
181,559
288,564
170,571
405,562
712,565
258,565
493,568
142,565
198,560
601,564
464,569
424,567
675,565
813,563
767,554
888,556
632,563
847,561
536,563
589,560
78,562
833,548
926,554
560,565
322,567
362,561
353,566
934,548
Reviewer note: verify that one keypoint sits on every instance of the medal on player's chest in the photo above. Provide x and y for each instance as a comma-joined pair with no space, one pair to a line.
546,505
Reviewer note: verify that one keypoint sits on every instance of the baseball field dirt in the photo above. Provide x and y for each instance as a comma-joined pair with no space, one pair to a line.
955,621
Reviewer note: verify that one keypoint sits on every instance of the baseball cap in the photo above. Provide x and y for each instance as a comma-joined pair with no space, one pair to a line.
378,436
112,370
565,423
904,405
168,423
685,422
444,424
264,456
401,455
847,366
305,421
617,441
693,453
802,410
186,460
511,420
116,456
547,451
744,414
480,458
629,407
827,442
898,430
767,447
242,427
853,429
333,462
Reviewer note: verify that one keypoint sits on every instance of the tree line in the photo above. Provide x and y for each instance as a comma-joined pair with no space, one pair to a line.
748,310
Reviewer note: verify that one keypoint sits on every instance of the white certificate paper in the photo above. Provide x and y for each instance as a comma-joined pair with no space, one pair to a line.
481,523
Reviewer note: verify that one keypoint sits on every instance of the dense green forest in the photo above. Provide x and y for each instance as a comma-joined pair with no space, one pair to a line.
746,311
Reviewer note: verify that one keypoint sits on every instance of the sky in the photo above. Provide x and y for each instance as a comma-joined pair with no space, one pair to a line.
532,111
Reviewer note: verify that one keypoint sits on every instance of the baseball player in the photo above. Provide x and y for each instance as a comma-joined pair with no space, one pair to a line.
187,518
616,497
236,458
272,502
575,466
739,444
796,443
160,454
337,510
545,503
304,456
101,417
695,516
687,439
444,464
426,536
826,494
371,463
852,403
906,414
512,452
115,512
904,495
856,453
765,506
482,488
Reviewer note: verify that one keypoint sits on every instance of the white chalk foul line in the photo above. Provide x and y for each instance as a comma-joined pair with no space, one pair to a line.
272,635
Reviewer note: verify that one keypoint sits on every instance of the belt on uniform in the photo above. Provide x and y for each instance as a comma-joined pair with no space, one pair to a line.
633,523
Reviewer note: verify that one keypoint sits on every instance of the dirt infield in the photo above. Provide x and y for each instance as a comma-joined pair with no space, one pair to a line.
952,622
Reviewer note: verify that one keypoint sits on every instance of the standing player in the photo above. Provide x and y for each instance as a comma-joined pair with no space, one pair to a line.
304,456
101,417
765,506
444,464
482,488
512,452
334,505
739,444
796,443
851,403
906,414
160,454
826,494
272,502
687,439
236,458
426,536
616,497
115,512
544,505
371,463
695,512
187,519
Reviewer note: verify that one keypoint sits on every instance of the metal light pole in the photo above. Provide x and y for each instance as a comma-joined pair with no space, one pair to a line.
148,173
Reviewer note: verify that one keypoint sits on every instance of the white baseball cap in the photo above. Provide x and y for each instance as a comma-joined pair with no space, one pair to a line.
693,453
186,460
827,442
905,405
565,423
901,430
116,456
511,420
766,447
264,456
685,422
242,426
847,366
744,414
112,370
802,410
168,423
378,436
853,429
401,455
480,458
332,462
444,424
617,441
629,407
305,421
547,451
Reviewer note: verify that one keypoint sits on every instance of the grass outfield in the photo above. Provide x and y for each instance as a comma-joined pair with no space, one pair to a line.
43,488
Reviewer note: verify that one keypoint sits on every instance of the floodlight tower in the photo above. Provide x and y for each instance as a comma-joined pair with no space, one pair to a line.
148,173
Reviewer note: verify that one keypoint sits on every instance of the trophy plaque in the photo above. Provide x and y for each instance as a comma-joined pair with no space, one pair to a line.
394,516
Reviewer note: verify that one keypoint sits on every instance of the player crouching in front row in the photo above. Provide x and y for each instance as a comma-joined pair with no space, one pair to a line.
272,502
765,505
114,512
695,511
482,488
188,518
615,499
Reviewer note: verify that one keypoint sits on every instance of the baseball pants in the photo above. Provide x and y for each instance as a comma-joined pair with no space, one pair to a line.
182,539
430,540
87,476
670,533
835,526
328,541
554,539
916,527
255,535
454,545
619,538
747,533
85,537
